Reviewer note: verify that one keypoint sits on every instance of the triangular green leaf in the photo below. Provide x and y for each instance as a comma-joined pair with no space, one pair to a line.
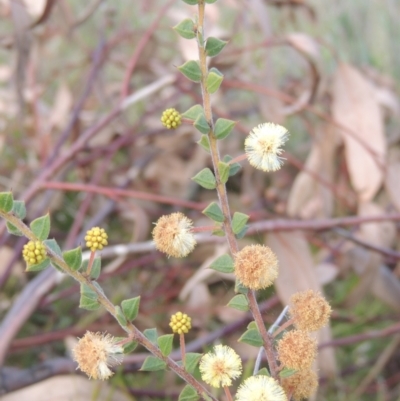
214,212
13,230
73,258
204,143
263,372
192,359
223,169
120,317
131,307
251,337
242,232
39,266
193,112
205,178
191,70
223,264
214,46
151,334
286,372
130,347
213,81
88,298
188,394
6,201
19,209
152,364
165,343
252,325
239,302
201,124
41,227
240,288
223,128
239,221
186,29
53,246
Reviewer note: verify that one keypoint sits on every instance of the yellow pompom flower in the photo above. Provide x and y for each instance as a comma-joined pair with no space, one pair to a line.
34,252
260,388
301,385
172,235
171,119
96,239
297,350
95,353
256,266
263,146
180,323
220,366
309,310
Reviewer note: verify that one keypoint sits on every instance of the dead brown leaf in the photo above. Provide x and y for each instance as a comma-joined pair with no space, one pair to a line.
355,106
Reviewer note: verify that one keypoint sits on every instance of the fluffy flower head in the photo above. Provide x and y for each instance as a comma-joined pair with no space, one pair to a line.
219,367
256,266
180,323
34,252
310,310
260,388
297,350
95,352
301,385
263,146
172,235
96,239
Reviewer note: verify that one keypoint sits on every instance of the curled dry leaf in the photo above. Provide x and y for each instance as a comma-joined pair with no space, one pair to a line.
297,273
355,106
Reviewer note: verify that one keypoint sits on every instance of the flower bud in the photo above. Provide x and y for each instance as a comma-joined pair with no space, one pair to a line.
171,119
96,239
180,323
34,252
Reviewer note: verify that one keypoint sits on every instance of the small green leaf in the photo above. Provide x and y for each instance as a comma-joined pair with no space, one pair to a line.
188,394
214,46
165,343
41,227
239,220
73,258
223,128
120,317
39,266
191,2
240,288
233,168
130,347
193,112
6,201
263,372
286,372
219,232
223,169
223,264
96,269
151,334
205,178
53,246
186,29
152,364
19,209
251,337
214,212
242,233
252,325
13,230
239,302
201,124
192,359
191,70
88,298
204,143
213,81
131,307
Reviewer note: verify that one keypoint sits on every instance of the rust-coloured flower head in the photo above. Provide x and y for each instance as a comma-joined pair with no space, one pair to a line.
297,350
95,353
301,385
256,266
310,310
220,366
260,388
96,239
171,119
180,323
34,252
172,235
263,146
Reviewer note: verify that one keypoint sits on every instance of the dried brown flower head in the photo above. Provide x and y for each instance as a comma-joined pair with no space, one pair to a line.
172,235
256,266
310,310
95,352
297,350
301,385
